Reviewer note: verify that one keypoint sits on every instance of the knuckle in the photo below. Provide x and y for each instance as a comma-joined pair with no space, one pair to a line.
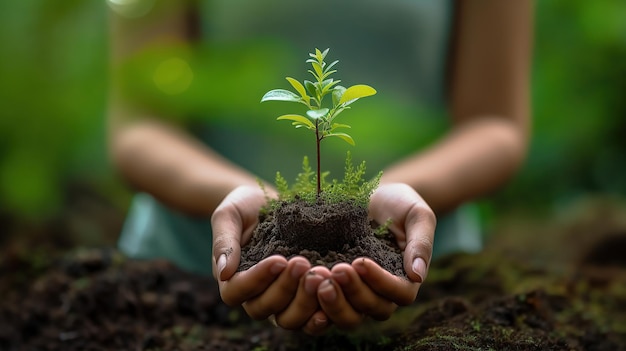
218,212
220,241
256,311
229,300
289,324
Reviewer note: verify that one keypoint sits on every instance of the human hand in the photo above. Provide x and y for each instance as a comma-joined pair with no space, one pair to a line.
364,288
275,286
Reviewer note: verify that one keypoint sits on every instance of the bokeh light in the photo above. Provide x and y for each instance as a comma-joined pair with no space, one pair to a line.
173,76
131,8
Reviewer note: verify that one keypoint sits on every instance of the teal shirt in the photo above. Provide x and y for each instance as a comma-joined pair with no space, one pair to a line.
398,46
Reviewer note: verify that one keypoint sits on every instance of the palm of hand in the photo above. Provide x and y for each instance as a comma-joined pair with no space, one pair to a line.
310,298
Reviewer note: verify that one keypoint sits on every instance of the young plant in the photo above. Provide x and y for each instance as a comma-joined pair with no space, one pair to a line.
352,188
320,115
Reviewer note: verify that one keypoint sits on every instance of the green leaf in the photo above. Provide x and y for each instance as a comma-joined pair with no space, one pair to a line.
310,87
328,73
297,118
356,92
281,95
325,53
328,84
340,110
298,86
317,113
337,94
348,139
318,70
318,54
326,69
339,125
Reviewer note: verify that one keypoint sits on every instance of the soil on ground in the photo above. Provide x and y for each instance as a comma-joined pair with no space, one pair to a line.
556,283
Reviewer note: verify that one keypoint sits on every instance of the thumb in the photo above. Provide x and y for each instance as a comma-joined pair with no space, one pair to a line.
226,243
420,230
232,223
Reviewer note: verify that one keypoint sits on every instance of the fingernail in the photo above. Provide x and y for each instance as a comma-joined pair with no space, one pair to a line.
341,278
310,285
327,291
419,268
320,322
221,264
277,267
299,269
359,267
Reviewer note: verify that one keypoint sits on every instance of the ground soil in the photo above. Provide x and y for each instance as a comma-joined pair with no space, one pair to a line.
324,233
553,283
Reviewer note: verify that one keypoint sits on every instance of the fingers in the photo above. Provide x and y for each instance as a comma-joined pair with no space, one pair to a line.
318,324
302,309
232,223
360,296
337,308
420,229
280,293
247,284
385,284
412,222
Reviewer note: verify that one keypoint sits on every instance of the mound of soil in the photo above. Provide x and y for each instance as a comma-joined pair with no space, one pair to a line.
324,233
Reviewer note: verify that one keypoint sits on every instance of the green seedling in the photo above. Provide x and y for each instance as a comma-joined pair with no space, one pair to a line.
320,115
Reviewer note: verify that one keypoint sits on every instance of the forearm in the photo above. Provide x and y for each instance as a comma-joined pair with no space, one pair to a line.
173,167
472,161
489,107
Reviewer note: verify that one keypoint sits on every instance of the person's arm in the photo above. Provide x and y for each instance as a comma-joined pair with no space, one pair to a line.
489,97
490,109
152,155
177,169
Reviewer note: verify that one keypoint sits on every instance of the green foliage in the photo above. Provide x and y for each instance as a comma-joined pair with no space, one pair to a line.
577,142
281,185
353,188
305,181
320,118
53,93
383,229
54,86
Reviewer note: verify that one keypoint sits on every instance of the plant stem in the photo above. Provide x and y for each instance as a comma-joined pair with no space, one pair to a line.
317,141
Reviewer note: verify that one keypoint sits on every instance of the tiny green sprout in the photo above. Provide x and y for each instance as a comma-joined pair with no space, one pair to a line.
383,229
320,116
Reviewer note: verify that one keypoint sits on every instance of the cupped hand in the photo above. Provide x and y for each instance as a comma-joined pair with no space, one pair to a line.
412,223
363,288
275,286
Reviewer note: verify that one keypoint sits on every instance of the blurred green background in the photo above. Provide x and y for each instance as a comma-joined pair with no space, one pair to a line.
53,83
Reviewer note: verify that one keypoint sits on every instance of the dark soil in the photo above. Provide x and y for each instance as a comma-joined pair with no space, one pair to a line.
557,283
325,234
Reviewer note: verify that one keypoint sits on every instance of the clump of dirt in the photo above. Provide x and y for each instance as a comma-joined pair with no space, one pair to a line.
320,226
324,233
